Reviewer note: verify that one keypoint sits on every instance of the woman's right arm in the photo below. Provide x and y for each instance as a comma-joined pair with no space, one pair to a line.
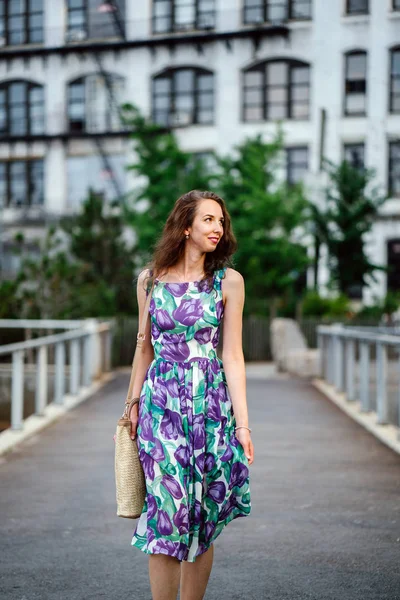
145,356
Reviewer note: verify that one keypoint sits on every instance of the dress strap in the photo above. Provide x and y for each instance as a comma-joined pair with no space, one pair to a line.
218,276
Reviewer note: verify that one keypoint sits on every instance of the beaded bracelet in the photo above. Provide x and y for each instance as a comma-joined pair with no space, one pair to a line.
242,427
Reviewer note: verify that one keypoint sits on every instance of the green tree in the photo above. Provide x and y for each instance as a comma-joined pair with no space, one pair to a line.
96,240
167,173
55,286
268,220
352,207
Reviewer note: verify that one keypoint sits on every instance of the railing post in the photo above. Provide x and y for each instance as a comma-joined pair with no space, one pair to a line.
329,358
41,380
108,348
398,409
321,348
382,408
350,375
59,375
74,351
338,361
17,390
87,363
364,376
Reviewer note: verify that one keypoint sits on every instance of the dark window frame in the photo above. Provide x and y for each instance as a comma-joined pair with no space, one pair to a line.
290,65
108,114
265,5
82,82
172,94
85,27
88,29
362,84
29,165
27,31
352,11
348,146
391,192
291,164
174,26
392,79
28,105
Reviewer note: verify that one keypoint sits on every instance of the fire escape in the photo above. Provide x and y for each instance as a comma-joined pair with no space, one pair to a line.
112,9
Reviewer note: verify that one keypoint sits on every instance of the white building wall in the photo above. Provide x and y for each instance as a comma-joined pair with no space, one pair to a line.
321,42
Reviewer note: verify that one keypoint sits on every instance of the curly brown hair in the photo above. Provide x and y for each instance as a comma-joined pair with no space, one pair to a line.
170,247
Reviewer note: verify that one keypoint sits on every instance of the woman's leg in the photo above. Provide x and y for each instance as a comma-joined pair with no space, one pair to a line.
195,575
164,572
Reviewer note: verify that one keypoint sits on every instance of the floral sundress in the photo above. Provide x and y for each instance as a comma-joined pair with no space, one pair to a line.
197,476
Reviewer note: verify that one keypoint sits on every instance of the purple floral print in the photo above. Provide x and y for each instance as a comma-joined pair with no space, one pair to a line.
171,425
188,312
196,472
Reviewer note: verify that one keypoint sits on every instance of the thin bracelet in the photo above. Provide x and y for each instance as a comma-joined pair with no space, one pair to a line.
242,427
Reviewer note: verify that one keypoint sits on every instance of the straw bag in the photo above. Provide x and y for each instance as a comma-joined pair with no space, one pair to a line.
129,476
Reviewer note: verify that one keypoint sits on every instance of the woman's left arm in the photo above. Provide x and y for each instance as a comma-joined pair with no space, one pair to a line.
232,355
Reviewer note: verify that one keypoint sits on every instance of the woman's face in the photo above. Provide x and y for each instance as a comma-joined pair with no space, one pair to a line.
208,226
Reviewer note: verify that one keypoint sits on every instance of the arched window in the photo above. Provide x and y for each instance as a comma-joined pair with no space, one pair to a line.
21,108
275,11
183,15
275,90
183,96
93,103
21,22
355,101
395,80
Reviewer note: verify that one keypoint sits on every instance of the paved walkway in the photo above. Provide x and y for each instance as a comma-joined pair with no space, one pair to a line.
325,520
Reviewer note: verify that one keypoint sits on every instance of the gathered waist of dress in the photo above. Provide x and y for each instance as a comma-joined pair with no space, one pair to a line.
203,361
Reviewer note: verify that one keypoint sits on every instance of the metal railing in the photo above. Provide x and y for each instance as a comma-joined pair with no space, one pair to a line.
87,345
364,364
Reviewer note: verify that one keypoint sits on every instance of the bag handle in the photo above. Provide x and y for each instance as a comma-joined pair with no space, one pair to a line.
129,402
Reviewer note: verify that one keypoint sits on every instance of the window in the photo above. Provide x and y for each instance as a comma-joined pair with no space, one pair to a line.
21,108
183,97
277,90
93,103
21,183
357,7
396,4
275,11
88,172
355,84
395,81
21,22
87,20
394,169
183,15
393,263
354,154
297,164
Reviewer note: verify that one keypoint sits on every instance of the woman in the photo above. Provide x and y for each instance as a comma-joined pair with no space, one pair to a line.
191,421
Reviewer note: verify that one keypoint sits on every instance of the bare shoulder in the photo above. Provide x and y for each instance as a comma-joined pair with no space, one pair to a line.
142,281
232,284
233,277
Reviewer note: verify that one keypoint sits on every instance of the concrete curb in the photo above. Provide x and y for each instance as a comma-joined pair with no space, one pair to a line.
388,434
35,423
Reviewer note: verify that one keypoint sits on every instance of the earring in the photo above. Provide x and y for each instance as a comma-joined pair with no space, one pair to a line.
187,236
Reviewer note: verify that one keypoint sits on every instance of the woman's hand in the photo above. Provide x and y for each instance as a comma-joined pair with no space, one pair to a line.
134,417
243,435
